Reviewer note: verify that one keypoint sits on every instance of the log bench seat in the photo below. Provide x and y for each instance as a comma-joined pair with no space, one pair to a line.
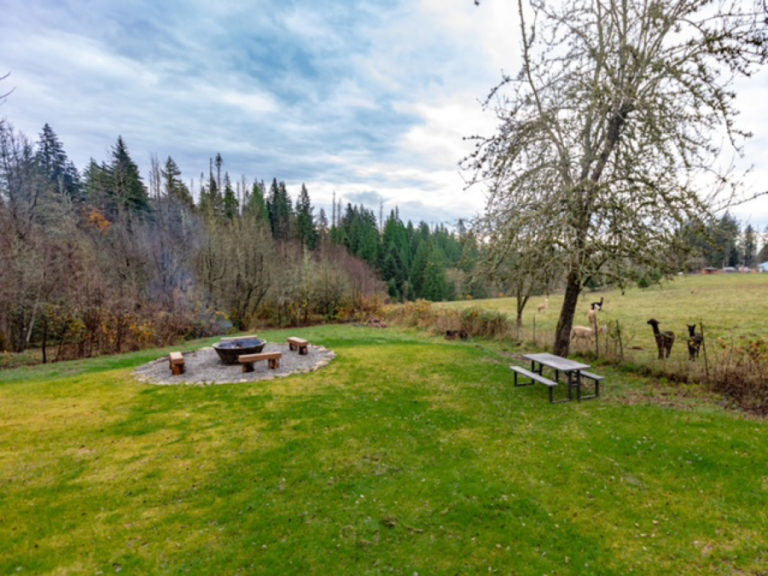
272,358
299,344
176,363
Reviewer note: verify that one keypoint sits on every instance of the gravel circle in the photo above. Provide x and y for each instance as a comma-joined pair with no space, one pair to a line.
203,367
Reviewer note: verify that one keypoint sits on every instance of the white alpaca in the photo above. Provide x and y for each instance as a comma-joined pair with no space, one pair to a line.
586,333
582,333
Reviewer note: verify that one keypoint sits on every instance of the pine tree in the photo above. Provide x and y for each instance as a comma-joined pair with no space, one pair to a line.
255,203
230,204
435,286
749,246
305,223
280,211
53,163
127,187
395,257
173,187
97,188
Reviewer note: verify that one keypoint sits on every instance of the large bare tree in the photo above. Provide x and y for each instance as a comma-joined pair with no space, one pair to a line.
613,133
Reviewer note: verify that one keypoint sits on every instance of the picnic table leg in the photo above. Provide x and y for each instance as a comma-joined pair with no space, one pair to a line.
577,376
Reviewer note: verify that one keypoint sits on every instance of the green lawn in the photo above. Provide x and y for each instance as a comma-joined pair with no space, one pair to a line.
408,454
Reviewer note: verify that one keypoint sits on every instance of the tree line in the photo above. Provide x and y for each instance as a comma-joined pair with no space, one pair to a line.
99,261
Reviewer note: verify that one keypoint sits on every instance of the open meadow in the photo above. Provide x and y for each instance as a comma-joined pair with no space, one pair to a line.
730,306
408,454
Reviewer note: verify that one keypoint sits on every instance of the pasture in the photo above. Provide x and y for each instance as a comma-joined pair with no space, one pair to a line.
407,455
730,306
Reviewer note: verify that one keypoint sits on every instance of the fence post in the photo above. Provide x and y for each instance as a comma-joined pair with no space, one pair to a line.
704,346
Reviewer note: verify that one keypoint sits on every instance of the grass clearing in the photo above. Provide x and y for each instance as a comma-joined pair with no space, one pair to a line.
407,454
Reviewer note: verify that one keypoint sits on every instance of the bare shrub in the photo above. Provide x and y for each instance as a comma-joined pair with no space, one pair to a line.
473,321
486,323
741,373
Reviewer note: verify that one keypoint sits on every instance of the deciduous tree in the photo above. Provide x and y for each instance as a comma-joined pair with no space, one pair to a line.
606,134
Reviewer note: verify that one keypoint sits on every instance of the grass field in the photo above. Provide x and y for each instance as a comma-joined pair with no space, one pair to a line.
407,455
730,306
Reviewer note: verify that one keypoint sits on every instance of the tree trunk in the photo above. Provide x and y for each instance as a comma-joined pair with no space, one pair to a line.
45,340
567,313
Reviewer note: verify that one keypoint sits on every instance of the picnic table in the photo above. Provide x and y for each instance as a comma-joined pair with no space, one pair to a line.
574,372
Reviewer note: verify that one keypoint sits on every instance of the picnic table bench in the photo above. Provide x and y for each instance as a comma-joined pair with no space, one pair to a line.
272,358
574,372
535,377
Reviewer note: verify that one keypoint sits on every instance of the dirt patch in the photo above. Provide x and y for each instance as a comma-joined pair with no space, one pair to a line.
203,367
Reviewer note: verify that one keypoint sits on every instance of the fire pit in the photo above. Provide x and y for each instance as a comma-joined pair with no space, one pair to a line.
230,350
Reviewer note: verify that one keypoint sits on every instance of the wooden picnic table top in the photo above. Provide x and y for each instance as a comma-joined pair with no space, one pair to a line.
556,362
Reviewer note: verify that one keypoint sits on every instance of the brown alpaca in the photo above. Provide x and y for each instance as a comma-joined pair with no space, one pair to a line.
695,341
664,340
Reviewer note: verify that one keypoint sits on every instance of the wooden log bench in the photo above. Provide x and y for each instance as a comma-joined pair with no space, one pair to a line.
536,377
299,344
596,378
272,358
176,363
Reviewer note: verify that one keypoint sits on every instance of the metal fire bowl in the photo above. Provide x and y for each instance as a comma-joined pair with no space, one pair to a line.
230,350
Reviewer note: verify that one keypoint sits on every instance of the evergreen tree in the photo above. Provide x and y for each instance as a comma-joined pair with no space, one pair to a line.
725,240
435,286
173,187
395,257
305,224
255,204
419,265
749,246
127,187
97,188
55,166
280,211
230,204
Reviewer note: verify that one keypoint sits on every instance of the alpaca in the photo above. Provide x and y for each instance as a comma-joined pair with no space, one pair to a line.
543,307
586,332
597,305
664,340
694,342
582,333
592,316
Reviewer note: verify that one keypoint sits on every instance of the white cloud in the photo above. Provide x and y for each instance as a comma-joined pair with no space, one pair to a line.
358,97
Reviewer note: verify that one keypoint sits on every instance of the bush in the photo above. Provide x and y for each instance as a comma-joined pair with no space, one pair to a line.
420,314
486,323
741,374
474,321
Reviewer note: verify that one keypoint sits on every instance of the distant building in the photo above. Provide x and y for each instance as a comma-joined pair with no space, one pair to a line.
763,267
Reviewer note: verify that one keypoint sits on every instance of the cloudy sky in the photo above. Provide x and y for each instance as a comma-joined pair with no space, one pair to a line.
370,99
